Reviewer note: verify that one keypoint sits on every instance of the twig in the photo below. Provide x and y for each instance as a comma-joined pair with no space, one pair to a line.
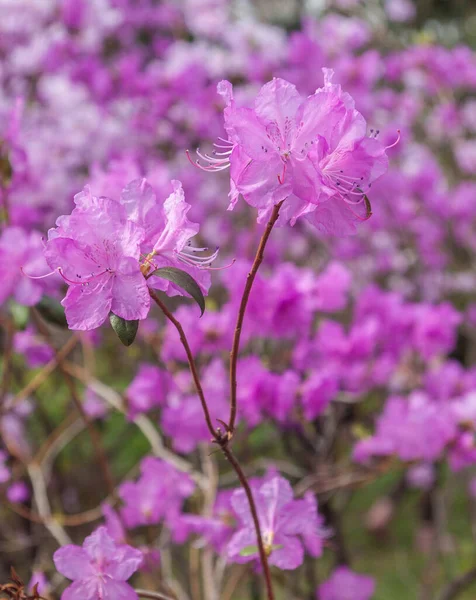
254,513
7,360
241,315
44,510
141,421
152,595
191,362
456,587
93,434
222,441
46,370
210,584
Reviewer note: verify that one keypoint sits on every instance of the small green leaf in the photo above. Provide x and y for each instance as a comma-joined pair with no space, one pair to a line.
126,330
248,550
185,281
52,311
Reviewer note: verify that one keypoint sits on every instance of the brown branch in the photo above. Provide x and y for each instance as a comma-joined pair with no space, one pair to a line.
93,434
459,585
241,314
152,595
7,361
191,363
218,437
46,370
254,513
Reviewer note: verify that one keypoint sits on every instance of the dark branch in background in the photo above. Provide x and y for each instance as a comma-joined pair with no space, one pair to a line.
95,439
459,585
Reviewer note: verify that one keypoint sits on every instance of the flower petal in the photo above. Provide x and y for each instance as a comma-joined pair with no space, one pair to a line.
88,306
73,562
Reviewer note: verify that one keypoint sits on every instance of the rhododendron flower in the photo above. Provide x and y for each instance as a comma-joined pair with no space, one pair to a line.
167,234
97,251
106,250
148,389
312,152
414,428
21,251
284,523
344,584
99,569
158,494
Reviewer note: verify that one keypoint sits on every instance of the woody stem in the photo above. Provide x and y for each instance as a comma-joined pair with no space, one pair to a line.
241,314
221,440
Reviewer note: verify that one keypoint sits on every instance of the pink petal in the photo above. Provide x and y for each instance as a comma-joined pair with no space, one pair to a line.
290,556
126,562
87,306
130,296
278,102
178,229
117,590
85,589
73,562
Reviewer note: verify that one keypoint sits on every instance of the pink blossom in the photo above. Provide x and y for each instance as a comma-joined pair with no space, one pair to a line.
284,523
344,584
313,153
148,389
168,232
21,251
99,570
97,251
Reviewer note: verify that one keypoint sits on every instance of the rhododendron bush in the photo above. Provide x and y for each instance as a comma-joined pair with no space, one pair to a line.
237,300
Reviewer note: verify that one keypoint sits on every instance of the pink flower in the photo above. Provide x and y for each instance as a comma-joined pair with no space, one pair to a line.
344,584
148,389
311,152
99,570
284,523
97,251
21,250
157,495
167,234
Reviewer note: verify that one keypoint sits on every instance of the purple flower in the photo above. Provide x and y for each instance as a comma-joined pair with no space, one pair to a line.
19,251
148,389
167,234
285,525
413,428
344,584
311,152
97,251
99,570
158,494
18,492
36,352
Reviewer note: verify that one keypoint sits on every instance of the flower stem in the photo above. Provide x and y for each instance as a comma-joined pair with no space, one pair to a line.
241,314
191,362
219,438
254,513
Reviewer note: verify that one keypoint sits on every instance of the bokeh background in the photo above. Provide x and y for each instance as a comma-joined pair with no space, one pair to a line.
105,91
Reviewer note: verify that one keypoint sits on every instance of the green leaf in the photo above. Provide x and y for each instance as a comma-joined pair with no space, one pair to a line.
185,281
126,330
51,311
248,550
